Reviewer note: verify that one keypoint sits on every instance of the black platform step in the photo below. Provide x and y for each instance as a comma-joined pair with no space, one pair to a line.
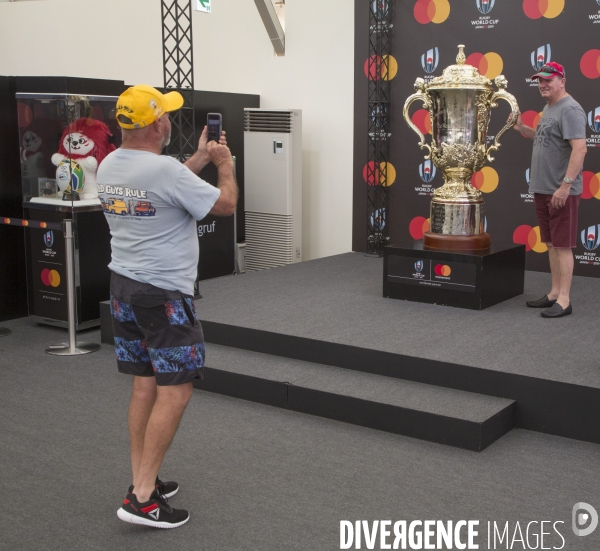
452,417
550,406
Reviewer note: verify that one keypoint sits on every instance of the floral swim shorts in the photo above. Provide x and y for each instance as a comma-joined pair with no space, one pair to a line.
157,332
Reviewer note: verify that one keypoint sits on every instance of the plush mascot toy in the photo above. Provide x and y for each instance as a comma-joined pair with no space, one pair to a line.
83,146
36,142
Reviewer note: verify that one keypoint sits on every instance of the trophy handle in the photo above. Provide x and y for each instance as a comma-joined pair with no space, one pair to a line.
512,119
426,102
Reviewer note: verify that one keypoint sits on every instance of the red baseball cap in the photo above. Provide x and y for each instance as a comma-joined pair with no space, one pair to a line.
550,70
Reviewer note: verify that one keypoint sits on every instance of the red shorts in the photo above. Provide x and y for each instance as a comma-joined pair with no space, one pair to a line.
557,226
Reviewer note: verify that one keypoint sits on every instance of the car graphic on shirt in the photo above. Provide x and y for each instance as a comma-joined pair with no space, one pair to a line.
144,208
115,206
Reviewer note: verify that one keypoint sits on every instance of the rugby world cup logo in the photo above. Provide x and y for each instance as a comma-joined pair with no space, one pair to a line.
429,60
527,175
378,219
49,238
485,6
419,265
540,57
427,171
590,238
594,118
380,8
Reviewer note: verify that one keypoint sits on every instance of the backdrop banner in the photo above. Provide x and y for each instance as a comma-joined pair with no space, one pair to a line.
510,37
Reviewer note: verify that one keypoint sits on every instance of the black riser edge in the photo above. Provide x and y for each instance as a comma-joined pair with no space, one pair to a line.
246,387
440,429
551,407
394,419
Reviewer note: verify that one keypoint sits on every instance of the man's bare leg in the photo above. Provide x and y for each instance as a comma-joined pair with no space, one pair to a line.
161,428
143,396
554,272
565,262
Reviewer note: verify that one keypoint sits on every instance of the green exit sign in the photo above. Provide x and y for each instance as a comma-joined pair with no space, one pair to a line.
202,5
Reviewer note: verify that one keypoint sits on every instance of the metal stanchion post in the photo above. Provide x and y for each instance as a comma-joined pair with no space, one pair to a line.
4,332
73,348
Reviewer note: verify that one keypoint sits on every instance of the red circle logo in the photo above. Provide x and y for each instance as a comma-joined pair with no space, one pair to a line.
590,64
531,118
530,237
489,65
442,270
376,174
50,278
591,185
534,9
422,120
431,11
485,180
381,67
418,226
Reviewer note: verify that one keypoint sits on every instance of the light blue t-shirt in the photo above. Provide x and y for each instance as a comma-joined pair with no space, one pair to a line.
151,203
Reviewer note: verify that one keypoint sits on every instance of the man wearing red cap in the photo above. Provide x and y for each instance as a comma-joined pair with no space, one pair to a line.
556,183
151,204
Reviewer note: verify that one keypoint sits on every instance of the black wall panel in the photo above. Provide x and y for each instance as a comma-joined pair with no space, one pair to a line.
13,286
504,31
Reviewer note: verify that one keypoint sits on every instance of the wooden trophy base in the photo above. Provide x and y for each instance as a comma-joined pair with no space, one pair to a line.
444,242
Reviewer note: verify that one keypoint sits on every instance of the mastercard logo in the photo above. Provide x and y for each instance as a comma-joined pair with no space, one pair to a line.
485,180
489,65
422,120
591,185
531,118
7,220
590,64
530,237
431,11
418,226
376,174
442,270
534,9
381,67
50,278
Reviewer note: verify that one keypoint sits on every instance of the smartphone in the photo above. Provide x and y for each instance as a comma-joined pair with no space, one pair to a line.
214,122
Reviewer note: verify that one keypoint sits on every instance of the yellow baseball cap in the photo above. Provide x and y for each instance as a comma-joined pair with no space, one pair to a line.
141,105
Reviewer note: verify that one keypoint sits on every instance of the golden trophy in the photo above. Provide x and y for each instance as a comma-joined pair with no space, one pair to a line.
459,104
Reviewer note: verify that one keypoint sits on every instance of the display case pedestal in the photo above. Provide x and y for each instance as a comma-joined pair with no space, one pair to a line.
464,279
46,262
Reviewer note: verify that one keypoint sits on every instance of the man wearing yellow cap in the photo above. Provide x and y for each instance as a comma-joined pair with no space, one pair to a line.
151,203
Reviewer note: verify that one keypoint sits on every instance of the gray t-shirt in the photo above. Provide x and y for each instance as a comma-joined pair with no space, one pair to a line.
151,203
561,122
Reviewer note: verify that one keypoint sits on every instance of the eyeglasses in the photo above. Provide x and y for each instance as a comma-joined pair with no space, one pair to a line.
550,69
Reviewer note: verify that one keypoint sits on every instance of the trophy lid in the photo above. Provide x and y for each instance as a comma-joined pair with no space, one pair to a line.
460,75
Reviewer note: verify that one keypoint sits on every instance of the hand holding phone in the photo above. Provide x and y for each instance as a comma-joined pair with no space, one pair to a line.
214,122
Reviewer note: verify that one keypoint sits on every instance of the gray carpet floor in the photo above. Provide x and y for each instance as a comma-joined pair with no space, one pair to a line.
254,477
339,299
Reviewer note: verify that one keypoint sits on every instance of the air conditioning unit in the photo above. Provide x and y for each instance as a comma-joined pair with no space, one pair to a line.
273,187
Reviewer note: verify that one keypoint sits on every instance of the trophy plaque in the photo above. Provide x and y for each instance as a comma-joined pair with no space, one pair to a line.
459,104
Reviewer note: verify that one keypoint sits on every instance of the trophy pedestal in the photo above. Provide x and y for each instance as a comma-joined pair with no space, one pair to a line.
444,242
475,279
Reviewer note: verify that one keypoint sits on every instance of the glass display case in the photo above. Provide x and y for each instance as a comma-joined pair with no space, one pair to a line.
63,139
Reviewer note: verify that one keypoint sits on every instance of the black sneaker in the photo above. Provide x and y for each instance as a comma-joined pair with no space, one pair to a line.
155,512
166,489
